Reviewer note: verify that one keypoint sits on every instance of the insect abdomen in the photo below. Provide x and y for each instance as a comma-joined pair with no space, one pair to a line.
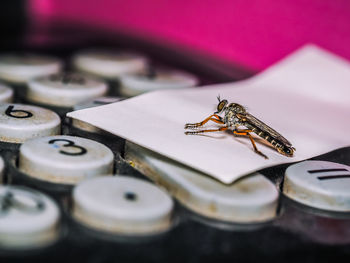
266,136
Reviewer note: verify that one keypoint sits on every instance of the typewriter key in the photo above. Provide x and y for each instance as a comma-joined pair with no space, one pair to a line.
132,85
97,102
28,219
123,205
64,159
250,200
64,89
19,122
90,104
109,64
20,68
319,184
6,93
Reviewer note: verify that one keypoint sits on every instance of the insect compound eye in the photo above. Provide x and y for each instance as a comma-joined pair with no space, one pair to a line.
288,150
221,105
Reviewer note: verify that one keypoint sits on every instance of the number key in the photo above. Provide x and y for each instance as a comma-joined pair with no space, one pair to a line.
132,85
319,184
65,159
20,68
109,64
19,122
65,89
120,204
89,104
27,218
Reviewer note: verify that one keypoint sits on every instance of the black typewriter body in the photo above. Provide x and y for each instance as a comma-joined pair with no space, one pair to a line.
298,233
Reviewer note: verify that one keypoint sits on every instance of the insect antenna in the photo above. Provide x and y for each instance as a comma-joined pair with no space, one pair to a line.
218,97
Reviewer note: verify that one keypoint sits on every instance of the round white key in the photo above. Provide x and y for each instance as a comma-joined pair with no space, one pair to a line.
64,159
21,68
121,204
109,64
6,93
19,122
90,104
319,184
28,219
132,85
65,89
96,102
250,200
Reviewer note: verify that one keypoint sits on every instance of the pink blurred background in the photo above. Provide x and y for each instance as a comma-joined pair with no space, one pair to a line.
252,33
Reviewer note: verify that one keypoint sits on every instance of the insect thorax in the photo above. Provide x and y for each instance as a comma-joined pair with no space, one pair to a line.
231,119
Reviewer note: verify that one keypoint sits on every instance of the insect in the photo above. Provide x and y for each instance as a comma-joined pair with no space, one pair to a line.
236,116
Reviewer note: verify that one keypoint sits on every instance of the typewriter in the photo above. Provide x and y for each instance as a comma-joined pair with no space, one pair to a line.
72,192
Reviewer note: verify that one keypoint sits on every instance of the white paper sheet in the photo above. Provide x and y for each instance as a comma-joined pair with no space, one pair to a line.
305,97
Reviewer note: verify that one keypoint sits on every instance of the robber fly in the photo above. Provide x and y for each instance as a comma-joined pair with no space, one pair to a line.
237,116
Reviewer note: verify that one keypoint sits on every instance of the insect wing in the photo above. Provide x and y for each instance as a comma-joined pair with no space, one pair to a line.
265,128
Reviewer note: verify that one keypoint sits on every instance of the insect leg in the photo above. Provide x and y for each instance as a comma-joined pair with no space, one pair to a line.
247,133
214,117
202,131
217,121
